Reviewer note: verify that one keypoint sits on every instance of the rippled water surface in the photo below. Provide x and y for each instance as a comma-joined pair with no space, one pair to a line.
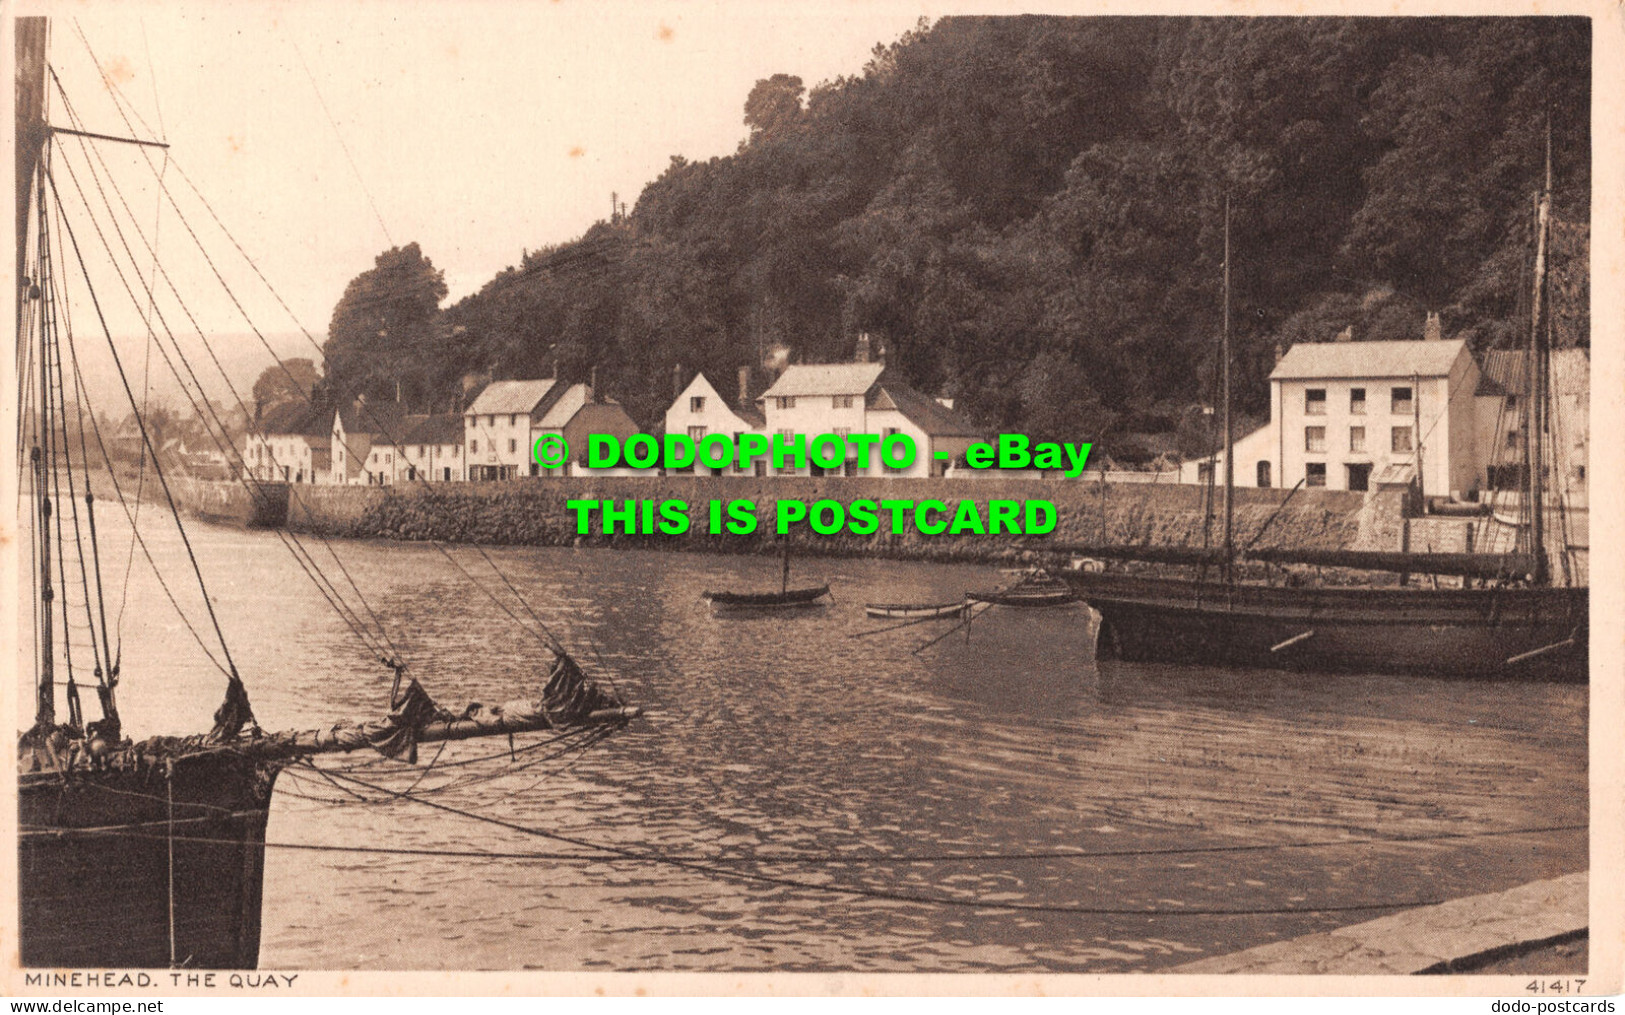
1196,790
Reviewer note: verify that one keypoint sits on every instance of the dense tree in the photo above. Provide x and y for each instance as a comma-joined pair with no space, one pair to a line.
1029,214
387,335
291,380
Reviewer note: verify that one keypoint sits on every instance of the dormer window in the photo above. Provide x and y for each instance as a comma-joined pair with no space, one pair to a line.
696,403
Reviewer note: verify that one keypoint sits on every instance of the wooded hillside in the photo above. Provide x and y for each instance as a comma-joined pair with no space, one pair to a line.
1028,214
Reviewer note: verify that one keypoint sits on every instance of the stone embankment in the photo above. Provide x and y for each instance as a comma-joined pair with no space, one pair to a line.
533,512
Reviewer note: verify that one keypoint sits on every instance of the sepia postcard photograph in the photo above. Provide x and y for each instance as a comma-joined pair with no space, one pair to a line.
699,498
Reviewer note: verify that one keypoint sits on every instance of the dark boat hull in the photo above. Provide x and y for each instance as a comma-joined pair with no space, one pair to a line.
767,600
1028,599
99,886
1480,633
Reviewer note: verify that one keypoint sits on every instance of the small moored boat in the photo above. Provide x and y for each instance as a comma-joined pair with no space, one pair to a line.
917,611
767,600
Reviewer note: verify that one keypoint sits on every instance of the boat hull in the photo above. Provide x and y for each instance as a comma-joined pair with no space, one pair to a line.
100,886
901,611
1528,633
791,599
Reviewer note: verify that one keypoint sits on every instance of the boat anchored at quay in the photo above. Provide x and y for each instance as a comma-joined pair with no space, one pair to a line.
1517,624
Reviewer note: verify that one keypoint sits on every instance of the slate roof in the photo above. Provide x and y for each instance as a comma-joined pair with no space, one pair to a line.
930,415
446,428
510,397
386,418
825,379
300,418
1332,360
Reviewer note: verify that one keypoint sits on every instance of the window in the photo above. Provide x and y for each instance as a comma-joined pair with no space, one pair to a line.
1314,438
419,453
1402,402
1401,441
1356,438
1512,402
474,447
1357,401
1314,474
842,431
696,403
1512,438
696,432
1264,474
842,401
1359,478
888,432
785,401
513,420
388,458
1314,402
490,421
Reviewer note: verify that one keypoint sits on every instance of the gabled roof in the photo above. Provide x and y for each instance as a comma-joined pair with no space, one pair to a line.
1332,360
446,428
825,379
512,397
388,419
294,418
565,406
930,415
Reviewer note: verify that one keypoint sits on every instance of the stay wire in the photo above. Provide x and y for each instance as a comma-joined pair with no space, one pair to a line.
289,539
545,635
146,438
204,409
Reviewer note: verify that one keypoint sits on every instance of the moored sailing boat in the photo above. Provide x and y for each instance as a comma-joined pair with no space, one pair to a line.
1518,625
151,853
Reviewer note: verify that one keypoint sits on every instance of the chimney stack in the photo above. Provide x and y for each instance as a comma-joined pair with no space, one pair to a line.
861,354
676,379
1346,335
1280,351
1433,330
744,387
592,385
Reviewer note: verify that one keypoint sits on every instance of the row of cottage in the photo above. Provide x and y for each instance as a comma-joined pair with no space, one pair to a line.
1343,416
377,443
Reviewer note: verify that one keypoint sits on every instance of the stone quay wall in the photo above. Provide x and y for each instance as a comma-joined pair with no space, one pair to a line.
533,512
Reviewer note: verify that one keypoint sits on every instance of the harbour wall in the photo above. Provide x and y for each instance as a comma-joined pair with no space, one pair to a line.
533,512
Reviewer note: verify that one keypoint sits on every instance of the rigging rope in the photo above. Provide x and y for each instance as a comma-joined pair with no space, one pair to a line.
146,438
204,409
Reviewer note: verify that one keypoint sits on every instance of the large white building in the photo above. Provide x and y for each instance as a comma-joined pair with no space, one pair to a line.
1343,412
860,398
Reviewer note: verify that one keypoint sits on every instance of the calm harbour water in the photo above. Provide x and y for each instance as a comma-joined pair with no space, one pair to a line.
783,735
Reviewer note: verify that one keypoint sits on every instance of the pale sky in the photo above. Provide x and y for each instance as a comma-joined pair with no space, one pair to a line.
480,129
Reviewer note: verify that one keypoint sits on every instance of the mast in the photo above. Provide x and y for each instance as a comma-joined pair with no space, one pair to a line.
1229,433
1537,379
30,134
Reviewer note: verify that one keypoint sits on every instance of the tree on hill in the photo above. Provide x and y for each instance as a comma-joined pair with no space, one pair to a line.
291,380
386,331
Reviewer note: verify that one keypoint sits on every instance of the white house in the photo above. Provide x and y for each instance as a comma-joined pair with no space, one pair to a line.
503,423
1343,412
432,451
497,426
699,411
365,441
290,445
853,398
